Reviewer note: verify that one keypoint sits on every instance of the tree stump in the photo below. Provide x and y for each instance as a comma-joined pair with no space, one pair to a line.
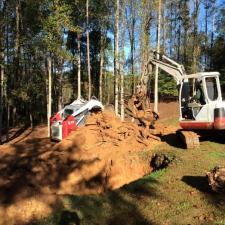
216,179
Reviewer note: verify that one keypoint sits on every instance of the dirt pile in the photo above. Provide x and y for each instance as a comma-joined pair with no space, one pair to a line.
113,151
104,154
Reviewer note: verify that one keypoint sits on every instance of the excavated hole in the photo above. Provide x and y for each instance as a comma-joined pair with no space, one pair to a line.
161,160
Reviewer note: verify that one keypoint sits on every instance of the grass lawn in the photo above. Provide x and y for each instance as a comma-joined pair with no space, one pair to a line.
178,194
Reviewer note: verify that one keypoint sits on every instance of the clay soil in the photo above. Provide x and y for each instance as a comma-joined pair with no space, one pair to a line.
104,154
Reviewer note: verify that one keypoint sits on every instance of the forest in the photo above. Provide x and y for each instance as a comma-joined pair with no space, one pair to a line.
55,51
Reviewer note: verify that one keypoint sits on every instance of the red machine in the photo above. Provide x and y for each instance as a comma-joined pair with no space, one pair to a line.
66,126
71,117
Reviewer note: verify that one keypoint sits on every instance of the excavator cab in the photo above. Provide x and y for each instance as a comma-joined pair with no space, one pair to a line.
192,98
200,98
200,95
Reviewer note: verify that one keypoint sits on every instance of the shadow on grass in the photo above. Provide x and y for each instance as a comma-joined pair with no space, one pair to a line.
198,182
213,136
112,208
173,140
68,217
201,184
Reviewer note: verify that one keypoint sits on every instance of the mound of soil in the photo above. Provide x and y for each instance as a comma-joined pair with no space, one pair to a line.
110,152
102,155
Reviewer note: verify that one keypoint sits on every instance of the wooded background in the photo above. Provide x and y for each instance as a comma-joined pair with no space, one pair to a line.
53,51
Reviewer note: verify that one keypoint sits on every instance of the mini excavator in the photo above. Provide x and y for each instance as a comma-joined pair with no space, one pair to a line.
200,99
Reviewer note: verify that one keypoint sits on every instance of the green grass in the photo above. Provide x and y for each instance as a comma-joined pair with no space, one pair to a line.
216,154
184,206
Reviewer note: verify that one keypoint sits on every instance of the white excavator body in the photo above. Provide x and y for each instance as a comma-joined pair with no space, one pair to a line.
200,99
203,110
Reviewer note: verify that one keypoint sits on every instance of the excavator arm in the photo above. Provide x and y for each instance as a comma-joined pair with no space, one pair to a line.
166,64
139,104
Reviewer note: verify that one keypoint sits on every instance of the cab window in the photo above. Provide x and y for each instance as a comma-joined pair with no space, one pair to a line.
67,112
211,86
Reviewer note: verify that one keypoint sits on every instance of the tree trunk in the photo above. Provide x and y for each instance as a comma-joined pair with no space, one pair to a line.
88,51
108,89
116,69
131,20
1,92
31,117
122,67
206,31
145,24
158,50
2,68
49,102
179,32
78,71
14,120
171,28
212,32
17,40
60,97
7,124
164,28
196,47
101,66
6,93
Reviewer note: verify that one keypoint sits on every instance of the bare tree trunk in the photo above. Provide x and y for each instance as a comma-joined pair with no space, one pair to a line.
171,28
206,31
164,28
14,120
6,94
88,51
146,24
16,56
101,66
31,117
60,98
122,66
17,40
131,21
196,47
158,50
49,106
2,68
179,33
108,89
213,30
7,124
116,69
1,92
78,71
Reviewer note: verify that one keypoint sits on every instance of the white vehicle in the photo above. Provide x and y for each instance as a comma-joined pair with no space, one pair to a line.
200,99
71,117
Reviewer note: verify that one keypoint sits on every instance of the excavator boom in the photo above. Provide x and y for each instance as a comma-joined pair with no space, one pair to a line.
139,104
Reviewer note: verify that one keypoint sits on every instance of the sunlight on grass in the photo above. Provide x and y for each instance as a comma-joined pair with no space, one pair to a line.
217,154
184,206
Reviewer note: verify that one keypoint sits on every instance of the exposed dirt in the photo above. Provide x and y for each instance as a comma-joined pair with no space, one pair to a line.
104,154
168,110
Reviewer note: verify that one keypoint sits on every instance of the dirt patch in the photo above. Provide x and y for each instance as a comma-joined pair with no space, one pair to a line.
168,110
109,150
105,154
